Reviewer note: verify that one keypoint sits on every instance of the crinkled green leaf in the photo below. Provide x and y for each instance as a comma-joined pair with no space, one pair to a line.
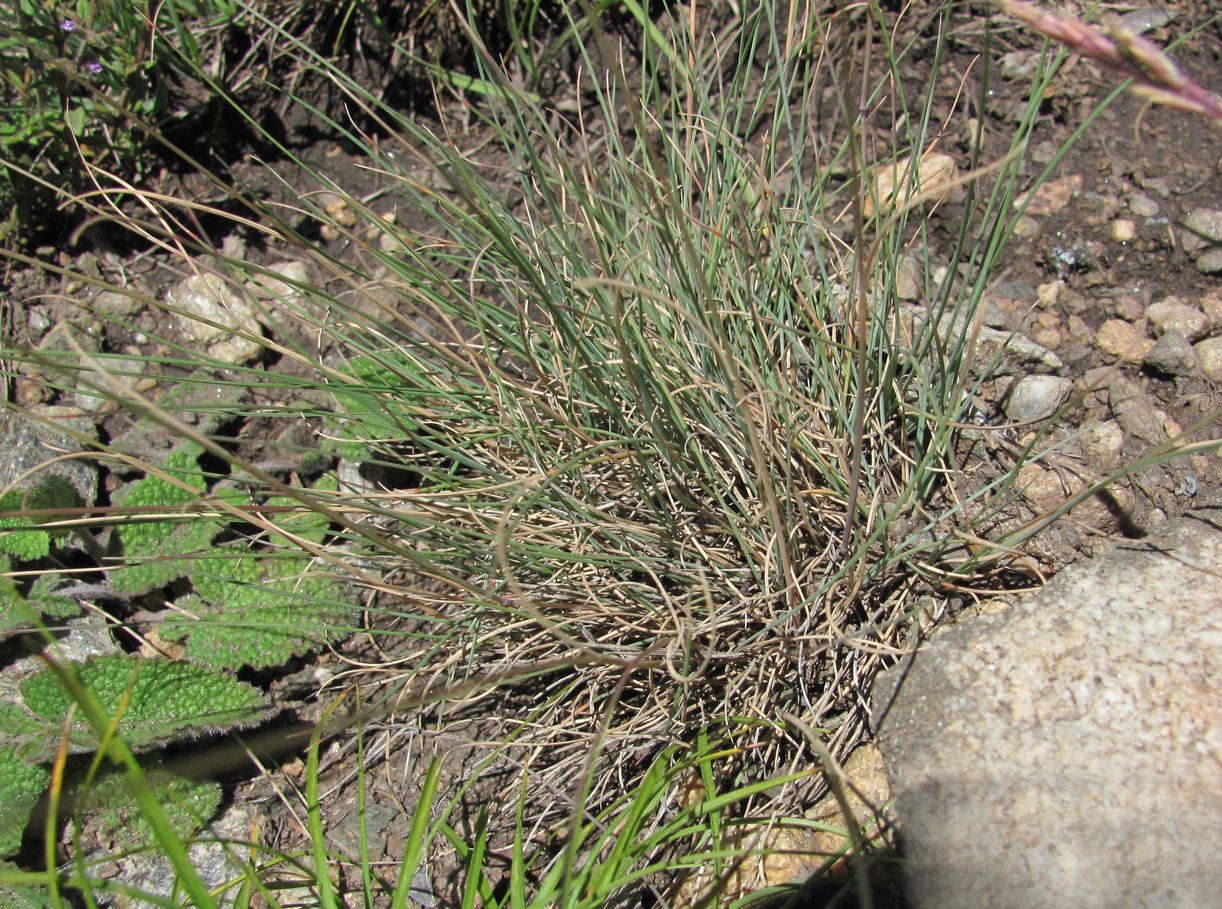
309,525
52,490
156,552
107,810
48,490
16,537
13,608
32,738
44,599
17,610
165,701
21,783
259,612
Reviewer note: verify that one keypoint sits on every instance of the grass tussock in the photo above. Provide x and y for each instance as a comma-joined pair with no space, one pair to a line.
642,363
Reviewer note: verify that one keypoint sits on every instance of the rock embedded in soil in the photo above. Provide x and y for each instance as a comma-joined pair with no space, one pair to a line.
893,184
1137,412
1209,358
1124,230
1205,223
210,312
1051,196
1035,398
281,282
1173,314
1102,443
1143,206
909,278
1120,339
1210,261
114,303
1211,305
1172,355
1029,751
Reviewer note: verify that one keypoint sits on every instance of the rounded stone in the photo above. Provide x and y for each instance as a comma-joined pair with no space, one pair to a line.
1034,398
1206,222
1143,206
1102,443
1173,314
210,312
1210,261
1123,230
1209,358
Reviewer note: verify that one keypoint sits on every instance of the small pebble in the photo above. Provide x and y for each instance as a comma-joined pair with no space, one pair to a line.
1210,261
1173,314
1206,222
1121,340
1172,355
1034,398
1048,294
1211,305
1129,308
341,213
1143,206
1123,230
1137,413
1102,444
1026,228
1052,196
1209,358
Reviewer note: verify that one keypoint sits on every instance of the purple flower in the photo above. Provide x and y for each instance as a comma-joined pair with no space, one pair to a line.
68,25
94,67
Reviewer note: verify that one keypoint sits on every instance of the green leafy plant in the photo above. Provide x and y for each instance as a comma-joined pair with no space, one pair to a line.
156,550
21,783
106,803
248,605
258,612
21,539
152,702
155,701
18,608
48,491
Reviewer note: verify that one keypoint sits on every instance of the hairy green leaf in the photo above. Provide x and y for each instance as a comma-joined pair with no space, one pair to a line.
156,552
16,537
160,701
50,491
259,612
17,609
107,810
32,738
21,783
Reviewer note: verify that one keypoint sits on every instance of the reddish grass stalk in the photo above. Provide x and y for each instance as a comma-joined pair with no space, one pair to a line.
1123,51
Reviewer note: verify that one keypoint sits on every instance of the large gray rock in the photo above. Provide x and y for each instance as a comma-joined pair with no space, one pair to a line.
1068,752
